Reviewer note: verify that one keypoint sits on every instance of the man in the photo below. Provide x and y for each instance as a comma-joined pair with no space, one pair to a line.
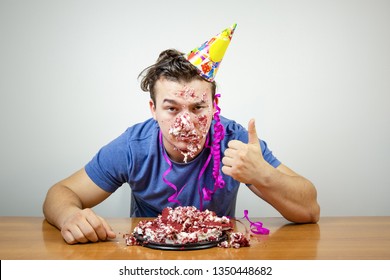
174,158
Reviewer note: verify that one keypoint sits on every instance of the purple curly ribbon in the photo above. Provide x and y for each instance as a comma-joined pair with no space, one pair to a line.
200,175
256,227
173,197
219,133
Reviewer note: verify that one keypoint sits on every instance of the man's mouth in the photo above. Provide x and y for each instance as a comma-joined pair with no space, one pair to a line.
188,137
192,142
190,151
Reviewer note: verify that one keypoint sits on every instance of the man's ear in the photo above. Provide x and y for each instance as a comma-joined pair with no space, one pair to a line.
152,108
216,100
215,103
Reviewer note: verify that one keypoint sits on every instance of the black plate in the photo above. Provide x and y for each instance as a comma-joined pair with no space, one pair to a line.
179,247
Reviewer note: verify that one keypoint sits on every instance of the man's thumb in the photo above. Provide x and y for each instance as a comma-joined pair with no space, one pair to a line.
252,134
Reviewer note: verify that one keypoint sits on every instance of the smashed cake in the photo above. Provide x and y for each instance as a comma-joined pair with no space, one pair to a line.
186,226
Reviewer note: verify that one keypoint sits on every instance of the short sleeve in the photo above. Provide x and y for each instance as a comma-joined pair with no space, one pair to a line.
109,167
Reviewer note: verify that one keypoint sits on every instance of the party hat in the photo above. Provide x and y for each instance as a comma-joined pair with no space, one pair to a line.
208,56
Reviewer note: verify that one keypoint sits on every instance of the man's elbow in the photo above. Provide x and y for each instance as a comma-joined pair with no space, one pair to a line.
313,214
305,216
316,214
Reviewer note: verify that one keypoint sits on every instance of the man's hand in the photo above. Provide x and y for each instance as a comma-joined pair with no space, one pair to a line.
85,226
242,161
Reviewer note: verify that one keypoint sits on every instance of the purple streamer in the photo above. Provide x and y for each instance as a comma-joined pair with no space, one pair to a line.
256,227
173,197
219,133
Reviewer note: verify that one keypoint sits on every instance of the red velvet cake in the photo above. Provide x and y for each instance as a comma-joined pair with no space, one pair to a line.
187,225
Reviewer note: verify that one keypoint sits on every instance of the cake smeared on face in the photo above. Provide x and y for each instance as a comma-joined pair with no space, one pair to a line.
188,126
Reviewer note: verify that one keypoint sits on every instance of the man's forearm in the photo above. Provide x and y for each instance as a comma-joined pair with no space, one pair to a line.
293,196
60,203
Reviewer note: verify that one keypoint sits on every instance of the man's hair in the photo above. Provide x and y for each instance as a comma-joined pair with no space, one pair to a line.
171,65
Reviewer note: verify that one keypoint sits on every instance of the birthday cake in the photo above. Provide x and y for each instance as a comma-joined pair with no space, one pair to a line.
186,225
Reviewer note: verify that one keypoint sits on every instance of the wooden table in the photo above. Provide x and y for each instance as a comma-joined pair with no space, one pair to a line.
333,238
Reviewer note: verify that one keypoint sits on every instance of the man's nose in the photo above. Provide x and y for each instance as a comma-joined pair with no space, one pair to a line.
187,120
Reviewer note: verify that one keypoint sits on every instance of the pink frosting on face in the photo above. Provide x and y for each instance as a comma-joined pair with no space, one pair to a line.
183,129
187,93
202,123
189,127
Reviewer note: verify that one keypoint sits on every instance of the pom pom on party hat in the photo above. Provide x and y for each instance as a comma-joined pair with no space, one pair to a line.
209,55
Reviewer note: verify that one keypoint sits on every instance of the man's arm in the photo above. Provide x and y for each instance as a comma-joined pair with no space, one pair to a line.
67,206
292,195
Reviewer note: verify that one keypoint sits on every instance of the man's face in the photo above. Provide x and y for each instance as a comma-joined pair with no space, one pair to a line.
184,112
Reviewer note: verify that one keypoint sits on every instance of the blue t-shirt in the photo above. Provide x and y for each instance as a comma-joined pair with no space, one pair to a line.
136,157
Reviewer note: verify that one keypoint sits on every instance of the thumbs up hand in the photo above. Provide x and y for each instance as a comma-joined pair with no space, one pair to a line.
243,161
252,134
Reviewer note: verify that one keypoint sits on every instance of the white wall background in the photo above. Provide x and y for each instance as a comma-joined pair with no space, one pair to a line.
314,74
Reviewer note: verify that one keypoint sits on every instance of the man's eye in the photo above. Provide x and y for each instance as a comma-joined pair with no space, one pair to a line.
199,108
